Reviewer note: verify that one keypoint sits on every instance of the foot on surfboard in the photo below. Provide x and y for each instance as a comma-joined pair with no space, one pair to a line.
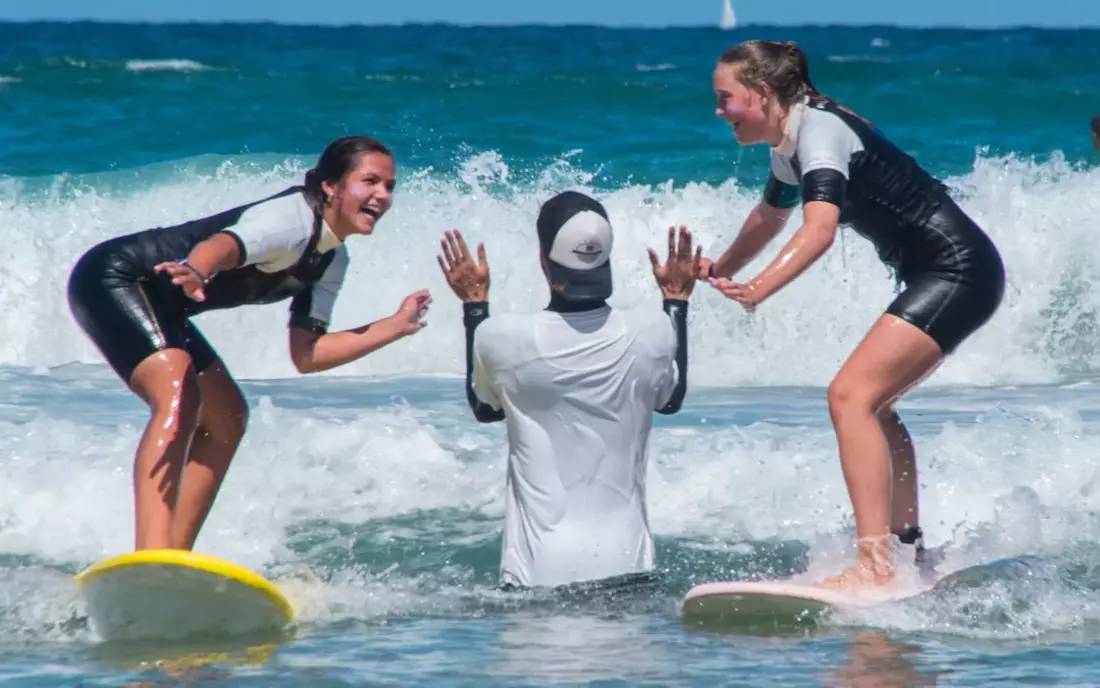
859,577
873,571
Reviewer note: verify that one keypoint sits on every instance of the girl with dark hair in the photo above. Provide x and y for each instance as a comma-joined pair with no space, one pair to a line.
134,296
844,171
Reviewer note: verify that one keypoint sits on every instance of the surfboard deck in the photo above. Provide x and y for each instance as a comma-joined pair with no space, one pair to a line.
778,605
174,594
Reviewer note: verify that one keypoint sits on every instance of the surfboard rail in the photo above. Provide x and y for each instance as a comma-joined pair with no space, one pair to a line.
189,588
194,560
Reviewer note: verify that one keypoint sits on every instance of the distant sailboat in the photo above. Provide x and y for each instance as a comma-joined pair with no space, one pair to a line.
728,20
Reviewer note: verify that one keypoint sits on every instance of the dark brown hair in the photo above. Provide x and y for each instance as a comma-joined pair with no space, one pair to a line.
340,157
1096,125
782,66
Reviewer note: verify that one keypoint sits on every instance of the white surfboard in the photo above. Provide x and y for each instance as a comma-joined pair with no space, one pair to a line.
174,594
779,603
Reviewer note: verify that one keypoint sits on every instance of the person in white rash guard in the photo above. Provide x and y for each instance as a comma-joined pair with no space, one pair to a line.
577,385
134,295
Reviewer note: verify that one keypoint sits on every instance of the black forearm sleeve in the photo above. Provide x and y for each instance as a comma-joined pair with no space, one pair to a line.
677,312
473,314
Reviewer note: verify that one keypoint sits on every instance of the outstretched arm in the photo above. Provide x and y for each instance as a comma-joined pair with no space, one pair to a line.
809,243
314,350
676,279
470,283
760,227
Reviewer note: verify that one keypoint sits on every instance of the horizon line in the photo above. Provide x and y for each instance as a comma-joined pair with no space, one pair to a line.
554,25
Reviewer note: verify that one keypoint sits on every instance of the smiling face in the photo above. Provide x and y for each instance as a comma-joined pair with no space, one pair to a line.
362,197
745,109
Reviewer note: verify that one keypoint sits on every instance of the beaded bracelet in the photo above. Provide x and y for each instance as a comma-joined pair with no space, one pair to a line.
201,275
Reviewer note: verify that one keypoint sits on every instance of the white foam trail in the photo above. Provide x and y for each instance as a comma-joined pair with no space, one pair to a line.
176,65
1040,214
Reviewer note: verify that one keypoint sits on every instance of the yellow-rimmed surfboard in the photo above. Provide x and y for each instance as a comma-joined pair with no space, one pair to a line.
172,594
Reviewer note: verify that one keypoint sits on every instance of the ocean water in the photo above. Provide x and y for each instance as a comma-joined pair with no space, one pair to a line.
376,480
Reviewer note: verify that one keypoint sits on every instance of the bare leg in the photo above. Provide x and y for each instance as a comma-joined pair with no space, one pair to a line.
905,512
166,382
221,426
891,358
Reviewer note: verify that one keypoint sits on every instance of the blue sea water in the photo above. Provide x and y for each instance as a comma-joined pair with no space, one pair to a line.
376,478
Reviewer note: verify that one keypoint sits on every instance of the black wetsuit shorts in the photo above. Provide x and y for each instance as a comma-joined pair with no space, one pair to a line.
120,313
955,292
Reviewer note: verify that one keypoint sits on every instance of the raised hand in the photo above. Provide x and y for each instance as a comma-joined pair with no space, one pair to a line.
467,279
677,276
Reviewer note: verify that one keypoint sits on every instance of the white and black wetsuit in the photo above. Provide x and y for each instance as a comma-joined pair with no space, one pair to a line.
953,273
131,311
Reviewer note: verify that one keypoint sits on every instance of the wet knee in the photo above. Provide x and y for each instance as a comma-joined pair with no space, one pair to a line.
847,397
180,406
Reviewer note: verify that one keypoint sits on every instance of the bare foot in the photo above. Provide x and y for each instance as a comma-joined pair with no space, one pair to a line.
860,577
875,568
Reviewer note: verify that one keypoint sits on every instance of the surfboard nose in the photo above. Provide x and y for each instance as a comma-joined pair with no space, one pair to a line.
175,594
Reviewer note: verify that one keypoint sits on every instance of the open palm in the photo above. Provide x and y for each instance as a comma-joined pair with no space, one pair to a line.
469,280
677,275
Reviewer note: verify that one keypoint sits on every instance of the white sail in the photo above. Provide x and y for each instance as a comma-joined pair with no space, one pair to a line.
728,20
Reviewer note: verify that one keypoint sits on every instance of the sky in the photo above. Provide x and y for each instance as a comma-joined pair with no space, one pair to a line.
970,13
